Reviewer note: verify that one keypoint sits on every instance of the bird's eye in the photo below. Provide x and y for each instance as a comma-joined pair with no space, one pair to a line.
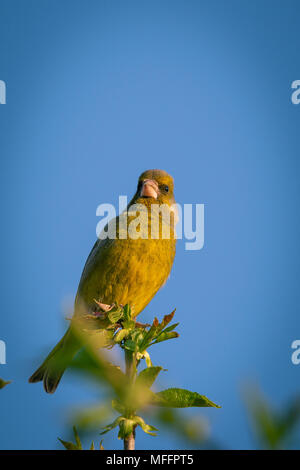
166,188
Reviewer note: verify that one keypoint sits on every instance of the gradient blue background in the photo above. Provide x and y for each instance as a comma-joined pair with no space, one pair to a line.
99,91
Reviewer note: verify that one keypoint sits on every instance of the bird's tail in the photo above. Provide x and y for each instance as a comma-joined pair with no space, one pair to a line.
53,367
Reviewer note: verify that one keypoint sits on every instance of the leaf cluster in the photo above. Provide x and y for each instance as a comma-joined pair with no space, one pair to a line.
133,393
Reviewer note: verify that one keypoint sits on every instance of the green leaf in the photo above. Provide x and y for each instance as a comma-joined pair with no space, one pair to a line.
126,428
115,314
170,328
157,329
148,376
181,398
137,336
92,446
167,319
120,335
164,336
129,344
3,383
150,334
128,324
147,428
77,437
68,445
71,445
112,425
127,313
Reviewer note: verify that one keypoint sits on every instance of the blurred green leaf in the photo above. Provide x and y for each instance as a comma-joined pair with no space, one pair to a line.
92,417
101,338
117,406
193,429
181,398
290,417
273,429
3,383
148,376
94,363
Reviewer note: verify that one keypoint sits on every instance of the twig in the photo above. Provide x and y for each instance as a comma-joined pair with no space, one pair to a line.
130,363
129,442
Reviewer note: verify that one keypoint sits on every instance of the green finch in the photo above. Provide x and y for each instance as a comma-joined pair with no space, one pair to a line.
126,268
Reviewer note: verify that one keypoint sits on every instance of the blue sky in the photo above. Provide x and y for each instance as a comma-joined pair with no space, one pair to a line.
99,91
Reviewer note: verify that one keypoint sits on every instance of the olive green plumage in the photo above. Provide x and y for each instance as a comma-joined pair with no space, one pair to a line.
123,270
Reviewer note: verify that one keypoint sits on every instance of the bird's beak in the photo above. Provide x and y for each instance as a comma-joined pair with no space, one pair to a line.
149,189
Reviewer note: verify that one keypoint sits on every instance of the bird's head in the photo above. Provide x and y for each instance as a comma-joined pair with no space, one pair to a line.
155,186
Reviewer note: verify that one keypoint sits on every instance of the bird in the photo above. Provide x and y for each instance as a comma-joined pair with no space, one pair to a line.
127,269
